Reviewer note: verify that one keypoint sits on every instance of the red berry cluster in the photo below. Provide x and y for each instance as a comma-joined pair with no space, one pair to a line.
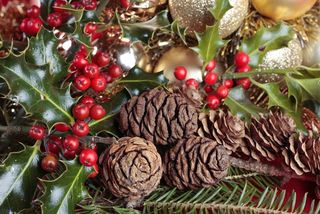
215,89
32,24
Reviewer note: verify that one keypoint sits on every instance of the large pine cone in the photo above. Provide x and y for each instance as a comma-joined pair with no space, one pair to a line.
195,163
131,168
159,116
268,135
303,153
226,129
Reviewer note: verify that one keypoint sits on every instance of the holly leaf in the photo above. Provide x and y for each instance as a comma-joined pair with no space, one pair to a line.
210,42
240,105
18,178
33,86
62,194
264,40
179,30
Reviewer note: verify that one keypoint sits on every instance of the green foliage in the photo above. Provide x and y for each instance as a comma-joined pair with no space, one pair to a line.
264,40
179,30
62,194
240,105
18,178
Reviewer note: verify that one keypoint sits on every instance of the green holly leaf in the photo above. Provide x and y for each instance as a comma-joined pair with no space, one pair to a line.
62,194
264,40
179,30
210,42
33,86
240,105
19,174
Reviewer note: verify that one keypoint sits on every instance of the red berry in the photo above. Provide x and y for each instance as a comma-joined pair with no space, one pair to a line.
23,25
90,28
95,36
68,154
125,3
115,71
99,84
96,171
241,59
83,50
54,144
33,26
211,65
97,112
57,4
102,59
211,78
89,101
180,73
71,143
91,70
61,127
213,101
228,83
88,157
37,132
80,129
82,83
89,4
33,12
192,83
245,82
208,89
107,77
76,4
80,61
49,163
80,111
244,69
54,19
222,91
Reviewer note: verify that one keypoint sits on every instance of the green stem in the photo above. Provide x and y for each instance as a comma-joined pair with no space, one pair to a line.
258,71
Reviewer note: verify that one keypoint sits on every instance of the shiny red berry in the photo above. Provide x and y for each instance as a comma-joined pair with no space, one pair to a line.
125,3
54,19
192,83
91,70
208,89
245,82
241,59
33,12
88,157
83,50
54,144
222,91
228,83
89,101
71,143
81,111
99,84
97,112
211,65
61,127
211,78
95,172
82,83
80,129
180,72
68,154
89,4
80,61
33,26
244,69
90,28
76,4
58,4
102,59
37,132
213,102
23,25
115,71
49,163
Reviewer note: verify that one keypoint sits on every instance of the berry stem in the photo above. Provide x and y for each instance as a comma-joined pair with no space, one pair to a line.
104,140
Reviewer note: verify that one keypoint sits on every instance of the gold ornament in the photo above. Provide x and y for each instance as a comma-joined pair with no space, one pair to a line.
311,51
283,9
195,15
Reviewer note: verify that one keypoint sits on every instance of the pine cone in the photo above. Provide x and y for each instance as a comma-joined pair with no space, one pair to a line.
195,163
303,153
224,128
131,168
159,116
268,135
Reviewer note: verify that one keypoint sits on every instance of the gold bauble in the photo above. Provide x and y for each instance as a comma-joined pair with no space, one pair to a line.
195,15
283,9
311,51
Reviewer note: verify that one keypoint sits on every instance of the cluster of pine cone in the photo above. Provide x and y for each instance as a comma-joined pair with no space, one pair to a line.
198,145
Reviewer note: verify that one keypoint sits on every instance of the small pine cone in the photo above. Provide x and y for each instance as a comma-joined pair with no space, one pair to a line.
303,153
195,163
224,128
131,168
268,135
159,116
